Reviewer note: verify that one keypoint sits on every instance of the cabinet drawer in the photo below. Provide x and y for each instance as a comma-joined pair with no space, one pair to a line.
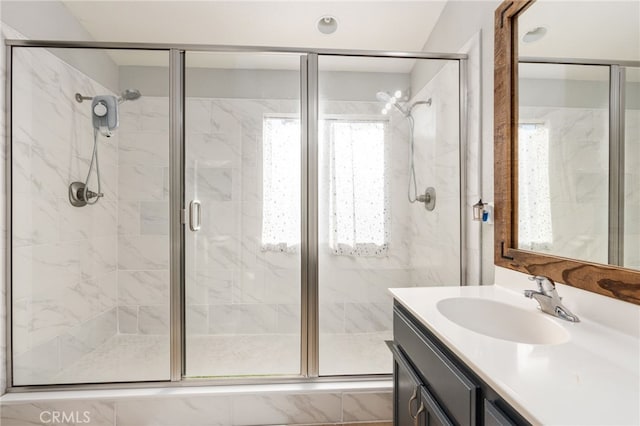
451,387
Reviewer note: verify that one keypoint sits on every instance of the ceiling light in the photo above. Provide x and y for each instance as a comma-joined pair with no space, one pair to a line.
534,34
327,24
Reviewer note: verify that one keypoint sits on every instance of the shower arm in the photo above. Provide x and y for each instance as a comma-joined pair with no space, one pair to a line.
415,104
80,98
127,95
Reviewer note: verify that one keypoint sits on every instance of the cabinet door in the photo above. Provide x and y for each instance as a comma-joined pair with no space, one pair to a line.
446,381
406,390
493,416
429,412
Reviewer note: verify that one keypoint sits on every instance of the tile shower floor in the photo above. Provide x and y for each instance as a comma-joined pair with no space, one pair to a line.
146,357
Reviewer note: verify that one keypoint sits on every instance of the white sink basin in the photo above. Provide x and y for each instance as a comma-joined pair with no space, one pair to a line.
502,321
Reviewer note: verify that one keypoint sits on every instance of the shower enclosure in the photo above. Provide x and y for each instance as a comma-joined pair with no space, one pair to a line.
243,219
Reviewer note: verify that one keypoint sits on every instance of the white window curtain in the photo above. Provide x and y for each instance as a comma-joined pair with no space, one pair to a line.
534,195
281,184
358,202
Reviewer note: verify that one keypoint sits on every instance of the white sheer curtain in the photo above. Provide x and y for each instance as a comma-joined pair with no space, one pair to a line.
534,195
281,184
358,203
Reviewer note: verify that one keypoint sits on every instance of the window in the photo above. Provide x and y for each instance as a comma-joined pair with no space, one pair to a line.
359,212
534,195
357,199
281,184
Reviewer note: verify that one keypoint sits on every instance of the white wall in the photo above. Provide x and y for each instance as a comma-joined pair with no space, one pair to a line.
50,20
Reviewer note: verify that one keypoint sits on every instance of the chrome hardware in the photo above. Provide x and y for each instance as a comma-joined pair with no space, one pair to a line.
548,299
422,409
77,194
80,98
195,215
428,198
414,396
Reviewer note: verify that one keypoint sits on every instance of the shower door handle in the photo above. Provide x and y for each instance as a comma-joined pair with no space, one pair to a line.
195,215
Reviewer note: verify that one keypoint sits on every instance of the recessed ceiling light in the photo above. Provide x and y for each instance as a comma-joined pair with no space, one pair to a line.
534,34
327,24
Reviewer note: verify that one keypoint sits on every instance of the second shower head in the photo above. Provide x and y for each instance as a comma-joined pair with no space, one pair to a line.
383,97
129,95
395,101
126,95
391,101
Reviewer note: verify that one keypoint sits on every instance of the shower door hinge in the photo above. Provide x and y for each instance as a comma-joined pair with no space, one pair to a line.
183,216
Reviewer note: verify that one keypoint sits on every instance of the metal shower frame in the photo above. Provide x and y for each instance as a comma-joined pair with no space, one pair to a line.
309,355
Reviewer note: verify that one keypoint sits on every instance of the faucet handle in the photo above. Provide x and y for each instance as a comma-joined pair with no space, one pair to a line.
545,284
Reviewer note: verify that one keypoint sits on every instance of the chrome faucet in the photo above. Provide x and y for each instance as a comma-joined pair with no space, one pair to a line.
548,298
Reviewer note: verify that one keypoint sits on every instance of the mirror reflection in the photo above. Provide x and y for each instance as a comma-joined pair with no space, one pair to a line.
579,131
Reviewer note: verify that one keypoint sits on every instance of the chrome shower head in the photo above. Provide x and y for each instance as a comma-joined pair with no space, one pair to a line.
391,101
129,95
383,97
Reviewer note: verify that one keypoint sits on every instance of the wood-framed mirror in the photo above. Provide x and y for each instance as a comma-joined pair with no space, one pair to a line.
591,274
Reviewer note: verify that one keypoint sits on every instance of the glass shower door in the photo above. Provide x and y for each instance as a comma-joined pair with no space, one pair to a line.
90,270
243,142
388,130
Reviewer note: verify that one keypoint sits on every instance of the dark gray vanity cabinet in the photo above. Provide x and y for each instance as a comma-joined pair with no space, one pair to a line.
413,403
432,387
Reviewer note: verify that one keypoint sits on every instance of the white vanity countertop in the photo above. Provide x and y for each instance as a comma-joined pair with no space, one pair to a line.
592,379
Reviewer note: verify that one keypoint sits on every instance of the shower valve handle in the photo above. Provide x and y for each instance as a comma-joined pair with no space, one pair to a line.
91,194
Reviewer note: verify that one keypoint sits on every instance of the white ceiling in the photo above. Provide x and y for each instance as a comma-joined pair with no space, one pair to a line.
366,25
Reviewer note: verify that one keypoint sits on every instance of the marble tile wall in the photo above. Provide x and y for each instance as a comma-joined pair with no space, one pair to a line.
435,236
274,408
578,176
143,217
64,258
